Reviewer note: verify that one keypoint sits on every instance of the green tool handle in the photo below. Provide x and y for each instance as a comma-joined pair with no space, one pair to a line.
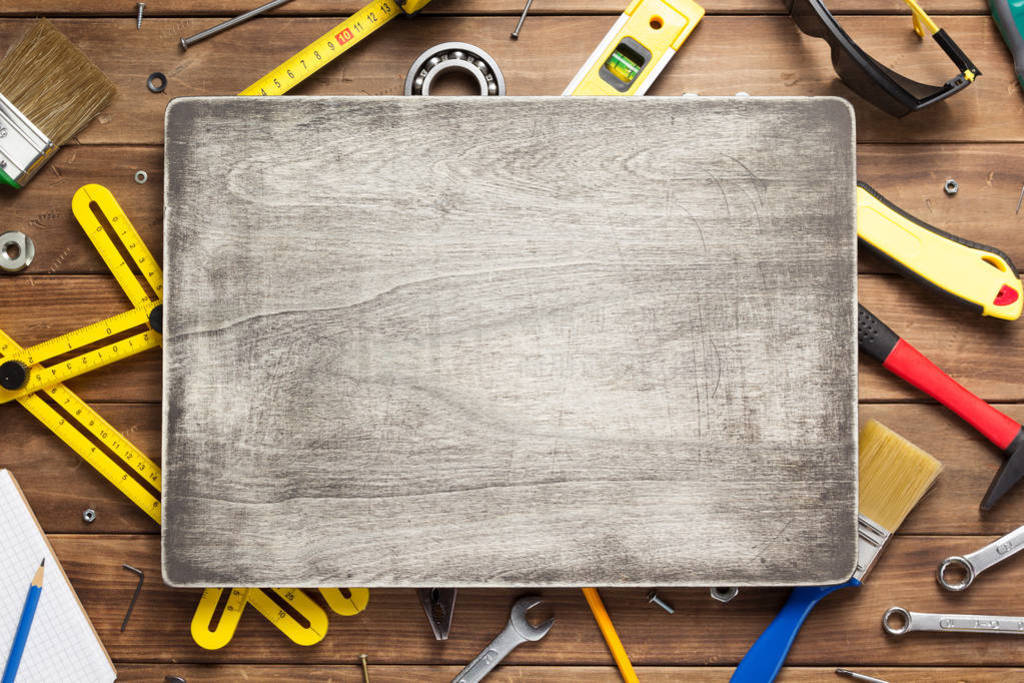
1009,17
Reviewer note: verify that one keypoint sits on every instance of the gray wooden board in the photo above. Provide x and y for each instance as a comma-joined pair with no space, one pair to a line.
509,341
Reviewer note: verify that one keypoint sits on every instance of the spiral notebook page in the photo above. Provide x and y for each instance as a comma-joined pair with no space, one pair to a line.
62,645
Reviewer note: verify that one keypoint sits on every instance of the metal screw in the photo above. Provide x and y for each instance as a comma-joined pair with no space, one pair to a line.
652,597
1020,200
88,515
725,594
522,18
202,35
951,187
366,674
139,6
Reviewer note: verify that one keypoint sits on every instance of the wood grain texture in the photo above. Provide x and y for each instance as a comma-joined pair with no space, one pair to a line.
227,8
844,630
990,177
544,60
514,343
353,673
59,486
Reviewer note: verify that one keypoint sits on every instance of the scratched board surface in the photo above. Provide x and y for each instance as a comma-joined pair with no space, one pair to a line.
509,342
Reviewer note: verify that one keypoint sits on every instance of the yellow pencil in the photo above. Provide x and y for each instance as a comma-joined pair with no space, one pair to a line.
604,623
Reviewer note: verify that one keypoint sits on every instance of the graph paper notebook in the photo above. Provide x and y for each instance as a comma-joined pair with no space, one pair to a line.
62,645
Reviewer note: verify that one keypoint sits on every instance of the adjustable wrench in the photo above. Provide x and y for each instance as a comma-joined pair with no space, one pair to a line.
975,563
952,623
516,632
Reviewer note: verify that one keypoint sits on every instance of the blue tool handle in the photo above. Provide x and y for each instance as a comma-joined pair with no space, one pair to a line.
763,660
21,635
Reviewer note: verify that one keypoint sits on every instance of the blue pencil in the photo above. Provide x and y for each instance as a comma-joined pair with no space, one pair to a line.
21,635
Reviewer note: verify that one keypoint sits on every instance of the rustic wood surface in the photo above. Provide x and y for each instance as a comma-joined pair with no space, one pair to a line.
515,344
979,130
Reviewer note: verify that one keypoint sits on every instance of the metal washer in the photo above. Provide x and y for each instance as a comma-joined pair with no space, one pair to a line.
454,56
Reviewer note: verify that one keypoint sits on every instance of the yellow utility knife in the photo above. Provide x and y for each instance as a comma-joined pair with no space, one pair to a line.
976,274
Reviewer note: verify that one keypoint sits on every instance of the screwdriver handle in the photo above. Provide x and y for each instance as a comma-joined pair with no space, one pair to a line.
1010,21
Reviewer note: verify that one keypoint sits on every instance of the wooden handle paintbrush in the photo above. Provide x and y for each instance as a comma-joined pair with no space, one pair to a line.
894,475
49,90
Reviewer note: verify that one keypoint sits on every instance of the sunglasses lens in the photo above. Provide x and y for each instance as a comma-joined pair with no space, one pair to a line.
807,19
852,72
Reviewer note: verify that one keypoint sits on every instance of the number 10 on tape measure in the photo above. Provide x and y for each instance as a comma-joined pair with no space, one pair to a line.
637,48
331,45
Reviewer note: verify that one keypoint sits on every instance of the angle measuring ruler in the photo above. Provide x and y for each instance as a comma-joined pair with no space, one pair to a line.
84,430
332,45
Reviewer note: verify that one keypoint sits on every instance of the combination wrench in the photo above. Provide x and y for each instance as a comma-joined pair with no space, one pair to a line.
516,632
897,621
975,563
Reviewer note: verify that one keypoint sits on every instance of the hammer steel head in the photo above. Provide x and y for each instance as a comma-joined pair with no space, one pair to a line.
518,619
1008,475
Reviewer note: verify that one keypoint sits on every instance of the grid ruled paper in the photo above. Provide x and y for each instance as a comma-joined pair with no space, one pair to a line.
62,645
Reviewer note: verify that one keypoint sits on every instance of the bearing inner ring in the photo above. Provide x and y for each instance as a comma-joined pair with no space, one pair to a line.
448,57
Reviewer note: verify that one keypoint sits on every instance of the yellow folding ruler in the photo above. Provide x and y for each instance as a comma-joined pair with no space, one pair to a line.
40,390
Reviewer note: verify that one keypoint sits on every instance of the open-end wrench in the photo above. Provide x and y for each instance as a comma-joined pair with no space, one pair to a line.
907,621
516,632
975,563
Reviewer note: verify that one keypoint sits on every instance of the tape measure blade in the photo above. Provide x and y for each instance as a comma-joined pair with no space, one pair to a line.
100,461
325,49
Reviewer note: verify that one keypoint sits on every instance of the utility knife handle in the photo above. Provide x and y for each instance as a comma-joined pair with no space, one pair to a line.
970,272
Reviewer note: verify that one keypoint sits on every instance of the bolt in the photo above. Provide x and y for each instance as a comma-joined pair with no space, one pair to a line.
652,597
366,674
139,6
88,515
951,187
724,594
522,18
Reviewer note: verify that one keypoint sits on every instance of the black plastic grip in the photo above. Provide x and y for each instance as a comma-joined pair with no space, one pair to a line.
874,336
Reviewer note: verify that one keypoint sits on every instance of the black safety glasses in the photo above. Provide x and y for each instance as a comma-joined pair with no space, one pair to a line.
882,87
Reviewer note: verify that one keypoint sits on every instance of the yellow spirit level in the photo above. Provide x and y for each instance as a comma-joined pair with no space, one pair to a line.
637,48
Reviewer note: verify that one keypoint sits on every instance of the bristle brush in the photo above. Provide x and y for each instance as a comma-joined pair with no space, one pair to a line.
49,91
894,476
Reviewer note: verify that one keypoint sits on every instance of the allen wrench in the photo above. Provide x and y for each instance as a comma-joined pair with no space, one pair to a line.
135,595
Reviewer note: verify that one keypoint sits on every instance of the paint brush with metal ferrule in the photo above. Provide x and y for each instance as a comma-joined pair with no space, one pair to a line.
49,90
894,475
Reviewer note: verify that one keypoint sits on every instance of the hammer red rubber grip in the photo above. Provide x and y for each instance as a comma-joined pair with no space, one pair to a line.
913,366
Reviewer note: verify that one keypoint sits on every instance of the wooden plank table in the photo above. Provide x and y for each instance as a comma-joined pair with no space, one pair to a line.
976,137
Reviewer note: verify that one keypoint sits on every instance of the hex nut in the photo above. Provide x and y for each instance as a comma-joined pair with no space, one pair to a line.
88,515
724,594
951,187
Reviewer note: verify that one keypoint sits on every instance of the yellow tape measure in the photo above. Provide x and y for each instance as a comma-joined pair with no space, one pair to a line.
332,45
637,48
136,476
